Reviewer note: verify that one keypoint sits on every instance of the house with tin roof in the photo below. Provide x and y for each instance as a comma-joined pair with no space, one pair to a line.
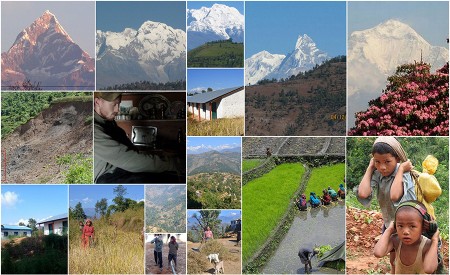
55,225
15,230
225,103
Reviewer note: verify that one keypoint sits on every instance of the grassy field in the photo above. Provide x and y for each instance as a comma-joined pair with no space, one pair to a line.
118,249
217,54
249,164
325,176
265,200
216,127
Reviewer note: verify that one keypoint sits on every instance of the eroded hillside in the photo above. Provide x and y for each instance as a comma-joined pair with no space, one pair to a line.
30,153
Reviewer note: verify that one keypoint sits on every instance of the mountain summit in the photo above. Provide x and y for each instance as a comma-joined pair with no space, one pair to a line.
375,53
220,22
45,53
266,65
155,52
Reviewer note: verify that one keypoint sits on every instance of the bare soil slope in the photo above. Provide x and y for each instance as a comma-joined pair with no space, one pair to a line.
32,149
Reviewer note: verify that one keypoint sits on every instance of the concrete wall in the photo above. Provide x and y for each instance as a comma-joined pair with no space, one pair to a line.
57,228
11,233
232,106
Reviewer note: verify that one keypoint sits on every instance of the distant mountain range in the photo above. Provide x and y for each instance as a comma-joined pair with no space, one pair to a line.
45,53
155,52
165,208
225,220
220,22
375,53
214,161
264,65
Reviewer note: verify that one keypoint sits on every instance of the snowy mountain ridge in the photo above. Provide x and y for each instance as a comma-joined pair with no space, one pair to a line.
266,65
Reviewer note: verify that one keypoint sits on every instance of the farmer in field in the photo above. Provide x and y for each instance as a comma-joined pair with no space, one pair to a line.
116,158
326,198
301,203
157,253
313,200
88,234
333,194
341,191
388,175
306,254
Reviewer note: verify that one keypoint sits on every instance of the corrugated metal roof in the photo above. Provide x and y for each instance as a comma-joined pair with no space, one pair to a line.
210,96
54,218
15,227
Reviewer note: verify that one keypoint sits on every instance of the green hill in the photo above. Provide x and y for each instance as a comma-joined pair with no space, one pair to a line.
222,53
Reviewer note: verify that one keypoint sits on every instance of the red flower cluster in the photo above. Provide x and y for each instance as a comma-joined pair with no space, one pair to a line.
415,103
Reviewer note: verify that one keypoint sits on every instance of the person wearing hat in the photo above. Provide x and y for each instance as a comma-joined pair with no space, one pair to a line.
116,159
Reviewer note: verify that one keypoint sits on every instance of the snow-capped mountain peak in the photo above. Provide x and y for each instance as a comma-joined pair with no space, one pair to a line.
155,52
391,44
265,65
220,22
45,52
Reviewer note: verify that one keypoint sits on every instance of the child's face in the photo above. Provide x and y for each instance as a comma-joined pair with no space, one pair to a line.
385,163
408,223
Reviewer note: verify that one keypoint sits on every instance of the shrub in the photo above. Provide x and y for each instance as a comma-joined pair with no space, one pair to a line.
415,103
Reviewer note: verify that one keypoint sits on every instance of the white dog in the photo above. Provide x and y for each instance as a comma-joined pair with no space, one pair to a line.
218,267
213,257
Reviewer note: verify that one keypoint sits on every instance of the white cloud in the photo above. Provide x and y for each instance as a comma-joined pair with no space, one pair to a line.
22,220
141,200
197,90
86,200
9,199
233,214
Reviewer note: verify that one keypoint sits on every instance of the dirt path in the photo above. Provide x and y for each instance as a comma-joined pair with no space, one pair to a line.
151,268
231,267
363,231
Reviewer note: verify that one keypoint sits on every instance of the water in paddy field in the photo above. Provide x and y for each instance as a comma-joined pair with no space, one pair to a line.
318,226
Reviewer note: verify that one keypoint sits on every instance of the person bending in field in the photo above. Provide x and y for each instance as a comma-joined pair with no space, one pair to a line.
333,194
326,198
341,191
313,200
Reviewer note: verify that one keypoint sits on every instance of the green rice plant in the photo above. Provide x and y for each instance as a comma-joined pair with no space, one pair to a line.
266,200
249,164
325,176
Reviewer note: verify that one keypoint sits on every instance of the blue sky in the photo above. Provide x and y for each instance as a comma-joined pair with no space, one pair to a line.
223,213
239,5
429,19
197,145
216,79
275,26
21,202
116,16
77,18
88,195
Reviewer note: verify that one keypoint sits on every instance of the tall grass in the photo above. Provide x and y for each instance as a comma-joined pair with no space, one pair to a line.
325,176
216,127
249,164
265,200
118,247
